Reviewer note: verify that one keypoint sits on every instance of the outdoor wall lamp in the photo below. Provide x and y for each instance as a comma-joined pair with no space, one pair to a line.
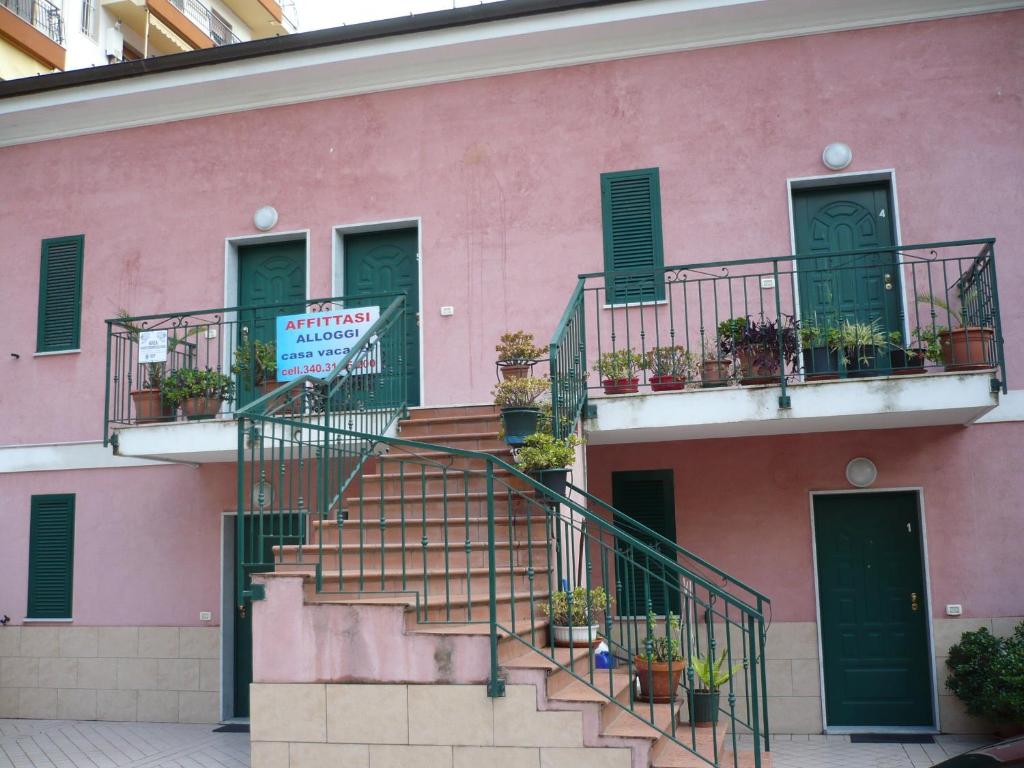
861,472
265,218
837,156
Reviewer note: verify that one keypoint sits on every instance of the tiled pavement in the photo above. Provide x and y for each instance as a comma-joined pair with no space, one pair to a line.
76,744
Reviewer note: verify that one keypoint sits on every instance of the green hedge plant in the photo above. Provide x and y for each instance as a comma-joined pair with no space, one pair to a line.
987,674
544,451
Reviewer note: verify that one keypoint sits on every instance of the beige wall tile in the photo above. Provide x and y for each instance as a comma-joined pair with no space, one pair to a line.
391,756
806,678
367,714
117,705
450,714
517,723
118,642
157,707
198,707
40,641
953,718
780,677
76,704
10,641
209,675
267,754
592,757
1002,627
97,673
158,642
792,640
78,642
496,757
9,702
795,714
58,673
178,674
199,643
19,672
329,756
37,703
137,674
288,712
947,632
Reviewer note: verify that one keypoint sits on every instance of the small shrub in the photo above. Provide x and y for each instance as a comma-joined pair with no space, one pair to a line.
517,348
544,451
519,393
186,383
987,674
586,607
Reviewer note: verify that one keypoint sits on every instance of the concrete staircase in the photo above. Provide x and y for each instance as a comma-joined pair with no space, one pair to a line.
414,534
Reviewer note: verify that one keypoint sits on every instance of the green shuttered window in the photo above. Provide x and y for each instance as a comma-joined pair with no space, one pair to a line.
631,212
60,294
51,556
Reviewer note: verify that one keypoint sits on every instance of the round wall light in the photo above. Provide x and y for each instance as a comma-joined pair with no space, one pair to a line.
265,218
861,472
837,156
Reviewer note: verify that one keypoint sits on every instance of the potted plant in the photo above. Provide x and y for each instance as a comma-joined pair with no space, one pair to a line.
760,348
256,364
574,616
661,666
862,345
517,398
703,701
965,347
517,354
200,393
548,459
985,673
904,359
149,402
618,371
714,368
670,367
820,351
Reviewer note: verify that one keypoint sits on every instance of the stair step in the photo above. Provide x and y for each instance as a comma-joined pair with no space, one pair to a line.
435,607
424,430
542,659
448,411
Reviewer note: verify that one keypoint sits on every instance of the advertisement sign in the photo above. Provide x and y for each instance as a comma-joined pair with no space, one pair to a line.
313,344
153,346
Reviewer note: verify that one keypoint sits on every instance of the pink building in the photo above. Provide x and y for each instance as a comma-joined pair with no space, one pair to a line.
817,469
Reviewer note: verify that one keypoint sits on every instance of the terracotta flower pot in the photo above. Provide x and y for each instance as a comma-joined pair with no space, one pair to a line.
756,368
201,407
714,373
150,407
621,386
968,349
656,683
514,370
667,383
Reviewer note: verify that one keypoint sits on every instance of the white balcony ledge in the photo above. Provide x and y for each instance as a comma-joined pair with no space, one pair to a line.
194,442
891,402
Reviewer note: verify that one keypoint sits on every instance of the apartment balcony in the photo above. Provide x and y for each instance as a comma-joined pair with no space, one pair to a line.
172,26
176,383
34,28
907,336
265,18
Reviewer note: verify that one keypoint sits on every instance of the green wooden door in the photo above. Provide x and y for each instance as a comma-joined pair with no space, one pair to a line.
645,497
858,289
386,262
274,273
874,616
289,528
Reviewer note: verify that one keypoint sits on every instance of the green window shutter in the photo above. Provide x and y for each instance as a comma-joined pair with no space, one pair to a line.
51,556
60,294
631,214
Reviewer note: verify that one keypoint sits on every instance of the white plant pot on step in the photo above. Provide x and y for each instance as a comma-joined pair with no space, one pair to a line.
581,636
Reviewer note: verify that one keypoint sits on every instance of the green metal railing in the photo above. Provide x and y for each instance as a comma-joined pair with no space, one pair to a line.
909,309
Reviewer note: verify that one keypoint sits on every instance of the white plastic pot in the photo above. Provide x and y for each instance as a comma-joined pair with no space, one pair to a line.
580,636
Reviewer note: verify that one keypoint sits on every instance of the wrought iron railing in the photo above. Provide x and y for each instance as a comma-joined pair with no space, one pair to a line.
911,309
218,30
41,14
216,340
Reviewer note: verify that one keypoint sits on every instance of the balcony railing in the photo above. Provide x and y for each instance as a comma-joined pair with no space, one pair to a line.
235,343
218,30
906,310
41,14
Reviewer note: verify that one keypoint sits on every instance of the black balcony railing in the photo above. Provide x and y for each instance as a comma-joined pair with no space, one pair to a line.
41,14
212,25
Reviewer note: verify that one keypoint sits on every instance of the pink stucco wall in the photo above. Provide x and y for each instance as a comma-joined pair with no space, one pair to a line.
504,173
744,505
147,542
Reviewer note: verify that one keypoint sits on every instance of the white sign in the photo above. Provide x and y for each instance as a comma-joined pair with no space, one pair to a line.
153,346
313,344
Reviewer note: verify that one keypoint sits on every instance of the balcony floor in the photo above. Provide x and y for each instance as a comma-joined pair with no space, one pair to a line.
890,402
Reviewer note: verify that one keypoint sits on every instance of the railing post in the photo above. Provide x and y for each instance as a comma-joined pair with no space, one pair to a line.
106,391
1000,357
784,401
764,676
755,726
495,685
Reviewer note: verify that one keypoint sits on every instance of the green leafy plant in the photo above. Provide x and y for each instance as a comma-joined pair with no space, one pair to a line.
711,673
928,339
580,607
520,393
857,340
815,334
987,673
677,362
186,383
518,348
256,362
154,371
619,365
661,648
544,451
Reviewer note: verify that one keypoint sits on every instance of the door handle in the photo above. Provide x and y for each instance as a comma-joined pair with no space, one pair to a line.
914,605
242,611
888,281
